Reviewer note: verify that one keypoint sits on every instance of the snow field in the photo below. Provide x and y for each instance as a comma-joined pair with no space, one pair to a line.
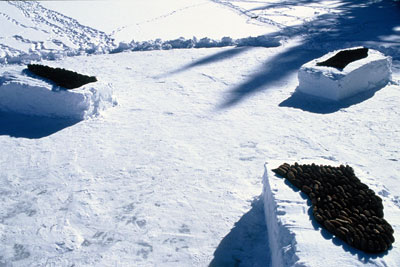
22,94
162,178
34,31
172,174
372,72
141,21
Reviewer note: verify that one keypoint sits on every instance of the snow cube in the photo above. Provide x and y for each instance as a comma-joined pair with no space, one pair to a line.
371,72
26,95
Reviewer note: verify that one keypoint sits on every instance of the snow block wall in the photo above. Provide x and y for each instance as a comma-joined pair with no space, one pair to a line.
25,95
281,241
372,72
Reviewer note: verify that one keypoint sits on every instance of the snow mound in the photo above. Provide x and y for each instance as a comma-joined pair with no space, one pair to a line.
25,95
372,72
296,239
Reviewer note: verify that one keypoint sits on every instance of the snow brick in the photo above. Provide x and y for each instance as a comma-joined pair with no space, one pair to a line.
337,83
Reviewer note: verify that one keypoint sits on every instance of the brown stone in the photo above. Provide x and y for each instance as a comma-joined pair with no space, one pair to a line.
290,175
280,171
318,217
306,189
371,246
329,226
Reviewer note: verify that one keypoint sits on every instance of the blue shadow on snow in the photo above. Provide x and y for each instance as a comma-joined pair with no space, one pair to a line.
247,242
319,105
31,127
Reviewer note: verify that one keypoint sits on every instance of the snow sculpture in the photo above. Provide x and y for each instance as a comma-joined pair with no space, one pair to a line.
22,94
345,73
342,204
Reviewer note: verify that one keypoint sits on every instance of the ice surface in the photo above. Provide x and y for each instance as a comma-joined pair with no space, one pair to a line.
297,239
26,95
372,72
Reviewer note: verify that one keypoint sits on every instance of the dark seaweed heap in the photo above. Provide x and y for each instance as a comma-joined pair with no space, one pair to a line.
345,57
61,77
343,204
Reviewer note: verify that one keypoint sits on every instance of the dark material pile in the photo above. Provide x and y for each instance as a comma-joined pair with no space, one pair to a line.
343,204
61,77
345,57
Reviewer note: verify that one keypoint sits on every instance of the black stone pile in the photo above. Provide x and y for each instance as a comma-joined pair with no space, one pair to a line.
342,204
345,57
64,78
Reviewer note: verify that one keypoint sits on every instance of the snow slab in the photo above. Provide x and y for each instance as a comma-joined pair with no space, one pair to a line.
297,239
372,72
20,93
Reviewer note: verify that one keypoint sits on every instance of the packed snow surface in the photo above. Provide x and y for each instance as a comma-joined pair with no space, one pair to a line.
172,175
23,93
372,72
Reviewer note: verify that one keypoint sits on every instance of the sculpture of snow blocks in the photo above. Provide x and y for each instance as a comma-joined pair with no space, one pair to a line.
371,71
26,95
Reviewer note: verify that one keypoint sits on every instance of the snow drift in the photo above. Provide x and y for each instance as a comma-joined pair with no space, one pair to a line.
22,94
365,74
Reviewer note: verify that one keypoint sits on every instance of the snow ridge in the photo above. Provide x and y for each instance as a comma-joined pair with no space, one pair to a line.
182,43
65,36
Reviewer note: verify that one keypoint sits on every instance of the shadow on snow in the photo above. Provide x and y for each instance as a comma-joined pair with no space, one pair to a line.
219,56
272,72
318,105
31,127
246,245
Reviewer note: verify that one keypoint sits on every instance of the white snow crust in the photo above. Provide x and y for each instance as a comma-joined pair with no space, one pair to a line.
296,239
372,72
22,94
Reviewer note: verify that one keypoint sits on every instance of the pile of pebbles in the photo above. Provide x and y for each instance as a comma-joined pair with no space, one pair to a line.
342,204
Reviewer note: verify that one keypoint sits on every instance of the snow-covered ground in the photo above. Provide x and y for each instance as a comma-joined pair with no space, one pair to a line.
172,175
